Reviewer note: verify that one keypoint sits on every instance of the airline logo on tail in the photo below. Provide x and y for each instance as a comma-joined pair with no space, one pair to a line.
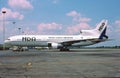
101,27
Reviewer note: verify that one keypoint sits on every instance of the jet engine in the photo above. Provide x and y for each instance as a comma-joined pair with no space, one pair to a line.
55,45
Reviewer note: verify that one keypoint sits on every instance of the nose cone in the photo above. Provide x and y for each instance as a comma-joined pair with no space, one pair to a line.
7,41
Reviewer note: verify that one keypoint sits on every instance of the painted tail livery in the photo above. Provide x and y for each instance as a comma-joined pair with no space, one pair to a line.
99,32
102,29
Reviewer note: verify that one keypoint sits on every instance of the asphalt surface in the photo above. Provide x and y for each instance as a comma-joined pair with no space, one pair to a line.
84,63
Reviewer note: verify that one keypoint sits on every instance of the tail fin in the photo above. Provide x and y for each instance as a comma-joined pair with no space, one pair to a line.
101,29
98,32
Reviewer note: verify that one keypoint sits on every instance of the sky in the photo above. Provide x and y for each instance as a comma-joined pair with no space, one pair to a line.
59,17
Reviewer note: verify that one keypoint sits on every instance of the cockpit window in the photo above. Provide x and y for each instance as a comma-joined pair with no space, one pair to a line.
8,39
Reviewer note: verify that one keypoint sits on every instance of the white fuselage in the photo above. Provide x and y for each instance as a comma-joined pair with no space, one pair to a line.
43,40
87,37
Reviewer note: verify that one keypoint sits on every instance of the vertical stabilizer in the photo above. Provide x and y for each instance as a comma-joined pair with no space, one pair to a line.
101,29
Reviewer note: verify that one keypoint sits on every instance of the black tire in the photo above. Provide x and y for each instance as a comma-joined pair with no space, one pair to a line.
64,49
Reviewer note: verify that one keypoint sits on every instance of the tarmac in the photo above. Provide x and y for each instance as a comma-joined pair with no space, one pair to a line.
77,63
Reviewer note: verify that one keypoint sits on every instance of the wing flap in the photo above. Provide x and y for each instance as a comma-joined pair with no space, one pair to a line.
69,43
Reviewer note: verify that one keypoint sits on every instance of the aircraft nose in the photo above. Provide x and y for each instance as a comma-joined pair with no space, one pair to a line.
7,41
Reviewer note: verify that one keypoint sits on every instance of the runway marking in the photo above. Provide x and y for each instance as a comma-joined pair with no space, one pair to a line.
77,62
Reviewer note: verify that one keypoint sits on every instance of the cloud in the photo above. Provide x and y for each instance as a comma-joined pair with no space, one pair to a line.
20,4
84,19
117,26
55,1
73,14
77,17
113,30
11,15
81,22
76,28
117,22
28,31
49,26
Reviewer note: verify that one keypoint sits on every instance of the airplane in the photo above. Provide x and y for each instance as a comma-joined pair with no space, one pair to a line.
62,42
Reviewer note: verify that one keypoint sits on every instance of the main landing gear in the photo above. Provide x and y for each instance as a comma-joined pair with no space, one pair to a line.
64,49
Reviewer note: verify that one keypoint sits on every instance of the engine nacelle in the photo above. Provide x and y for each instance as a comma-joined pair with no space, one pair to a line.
54,45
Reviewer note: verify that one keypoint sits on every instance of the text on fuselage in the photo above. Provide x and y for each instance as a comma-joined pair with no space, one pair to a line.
28,39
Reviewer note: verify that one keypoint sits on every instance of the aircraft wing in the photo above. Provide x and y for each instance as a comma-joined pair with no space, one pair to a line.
69,43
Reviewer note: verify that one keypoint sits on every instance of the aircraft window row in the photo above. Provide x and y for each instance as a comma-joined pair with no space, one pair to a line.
18,39
60,37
